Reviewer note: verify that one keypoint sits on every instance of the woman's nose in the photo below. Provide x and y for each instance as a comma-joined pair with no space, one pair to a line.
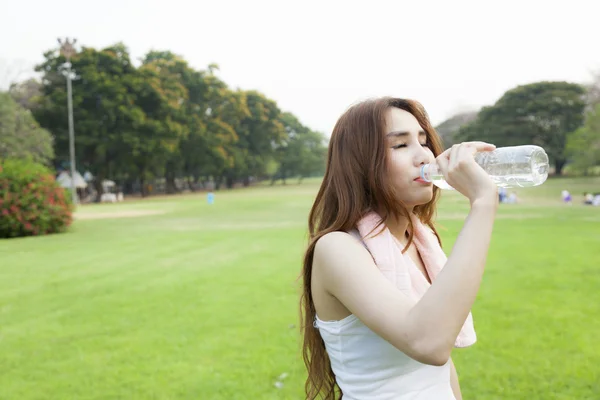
422,156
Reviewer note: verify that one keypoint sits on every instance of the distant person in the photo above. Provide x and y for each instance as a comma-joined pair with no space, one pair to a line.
596,201
375,326
502,195
588,198
566,197
512,198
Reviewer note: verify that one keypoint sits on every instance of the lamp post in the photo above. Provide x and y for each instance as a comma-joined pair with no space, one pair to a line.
67,49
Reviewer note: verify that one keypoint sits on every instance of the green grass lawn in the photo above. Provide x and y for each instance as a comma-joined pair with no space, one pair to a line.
200,302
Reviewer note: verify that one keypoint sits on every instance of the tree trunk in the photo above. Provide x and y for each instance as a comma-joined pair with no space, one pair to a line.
171,186
144,186
190,184
559,164
229,182
586,172
128,186
99,188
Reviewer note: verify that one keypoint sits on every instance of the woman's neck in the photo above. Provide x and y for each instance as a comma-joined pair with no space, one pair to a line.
398,226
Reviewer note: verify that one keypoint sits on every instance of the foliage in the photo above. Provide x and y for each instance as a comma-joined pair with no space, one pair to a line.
593,91
161,119
26,93
583,145
303,154
108,122
449,128
165,119
541,113
21,135
31,201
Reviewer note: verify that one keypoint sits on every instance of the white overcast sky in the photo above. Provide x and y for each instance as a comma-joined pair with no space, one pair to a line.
315,58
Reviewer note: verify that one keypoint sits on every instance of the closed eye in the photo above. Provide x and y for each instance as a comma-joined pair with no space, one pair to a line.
398,146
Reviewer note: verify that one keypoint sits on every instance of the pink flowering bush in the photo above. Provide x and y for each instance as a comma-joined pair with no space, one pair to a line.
31,201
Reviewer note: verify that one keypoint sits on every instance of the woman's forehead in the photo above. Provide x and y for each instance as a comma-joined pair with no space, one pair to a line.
398,120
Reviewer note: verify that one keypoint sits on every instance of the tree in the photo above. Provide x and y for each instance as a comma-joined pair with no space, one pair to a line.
211,113
20,134
224,114
583,145
162,98
303,153
162,119
107,116
541,113
450,127
593,92
26,93
259,133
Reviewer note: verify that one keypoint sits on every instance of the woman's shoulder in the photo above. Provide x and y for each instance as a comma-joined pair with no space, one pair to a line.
336,237
336,241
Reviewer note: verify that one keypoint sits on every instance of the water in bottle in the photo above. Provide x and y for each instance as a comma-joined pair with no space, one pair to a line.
515,166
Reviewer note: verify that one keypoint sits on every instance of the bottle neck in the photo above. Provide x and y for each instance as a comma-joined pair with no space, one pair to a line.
425,172
429,172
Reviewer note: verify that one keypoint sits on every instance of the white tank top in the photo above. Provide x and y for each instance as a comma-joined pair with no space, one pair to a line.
367,367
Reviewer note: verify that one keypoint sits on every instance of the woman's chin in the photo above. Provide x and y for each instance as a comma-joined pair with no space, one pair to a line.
420,201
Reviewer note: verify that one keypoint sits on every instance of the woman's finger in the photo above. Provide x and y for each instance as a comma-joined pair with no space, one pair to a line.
442,163
480,146
454,156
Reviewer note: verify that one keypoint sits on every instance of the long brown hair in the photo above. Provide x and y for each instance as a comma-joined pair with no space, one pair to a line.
356,182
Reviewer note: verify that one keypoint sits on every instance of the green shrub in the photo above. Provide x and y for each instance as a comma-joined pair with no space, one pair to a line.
31,201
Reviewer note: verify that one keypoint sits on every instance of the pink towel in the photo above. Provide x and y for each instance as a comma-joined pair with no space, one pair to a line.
400,269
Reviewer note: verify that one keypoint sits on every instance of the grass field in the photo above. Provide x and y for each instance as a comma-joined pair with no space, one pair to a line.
174,299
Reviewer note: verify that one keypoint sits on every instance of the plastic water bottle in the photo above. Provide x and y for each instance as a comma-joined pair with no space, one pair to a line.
516,166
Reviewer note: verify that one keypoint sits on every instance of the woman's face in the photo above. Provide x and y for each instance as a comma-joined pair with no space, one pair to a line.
407,144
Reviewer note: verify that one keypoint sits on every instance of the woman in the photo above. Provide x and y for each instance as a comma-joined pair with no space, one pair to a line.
380,314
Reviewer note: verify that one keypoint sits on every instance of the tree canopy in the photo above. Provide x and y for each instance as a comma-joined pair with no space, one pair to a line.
165,119
541,113
20,134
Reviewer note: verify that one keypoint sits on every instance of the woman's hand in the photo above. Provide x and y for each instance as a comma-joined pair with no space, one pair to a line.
464,174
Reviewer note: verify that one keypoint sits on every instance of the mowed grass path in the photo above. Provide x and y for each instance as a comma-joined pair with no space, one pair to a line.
200,302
